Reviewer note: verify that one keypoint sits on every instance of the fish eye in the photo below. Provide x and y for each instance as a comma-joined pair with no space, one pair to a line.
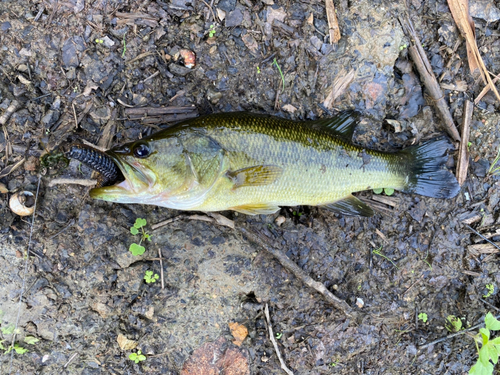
142,150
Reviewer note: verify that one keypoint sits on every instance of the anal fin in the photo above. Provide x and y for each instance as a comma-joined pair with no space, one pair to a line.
256,209
351,206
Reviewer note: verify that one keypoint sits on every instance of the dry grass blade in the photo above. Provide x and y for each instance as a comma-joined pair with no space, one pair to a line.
460,12
11,168
463,152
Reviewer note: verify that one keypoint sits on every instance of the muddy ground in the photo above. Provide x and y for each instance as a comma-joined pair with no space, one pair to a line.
82,291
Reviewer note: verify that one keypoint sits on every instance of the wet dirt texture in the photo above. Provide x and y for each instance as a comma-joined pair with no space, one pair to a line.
82,288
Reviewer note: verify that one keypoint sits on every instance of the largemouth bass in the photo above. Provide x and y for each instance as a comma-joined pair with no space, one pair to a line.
254,164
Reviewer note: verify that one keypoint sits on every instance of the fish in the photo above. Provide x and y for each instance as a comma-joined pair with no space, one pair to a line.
255,164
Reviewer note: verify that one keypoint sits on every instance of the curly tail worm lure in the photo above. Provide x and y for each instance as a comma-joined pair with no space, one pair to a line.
96,160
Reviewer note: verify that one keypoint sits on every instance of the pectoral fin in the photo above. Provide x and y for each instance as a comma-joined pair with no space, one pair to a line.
258,175
351,206
256,209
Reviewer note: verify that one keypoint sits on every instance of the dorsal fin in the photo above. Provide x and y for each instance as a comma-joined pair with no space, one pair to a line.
342,125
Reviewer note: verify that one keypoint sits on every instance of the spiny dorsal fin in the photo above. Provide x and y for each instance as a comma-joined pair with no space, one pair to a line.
256,209
258,175
351,206
342,125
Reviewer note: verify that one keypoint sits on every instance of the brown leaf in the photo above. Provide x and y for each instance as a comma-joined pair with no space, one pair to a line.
239,332
125,343
230,360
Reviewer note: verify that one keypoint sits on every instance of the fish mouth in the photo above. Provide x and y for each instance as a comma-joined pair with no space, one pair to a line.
130,182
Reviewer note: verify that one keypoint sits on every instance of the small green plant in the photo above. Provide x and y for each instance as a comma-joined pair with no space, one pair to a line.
137,357
17,348
490,288
150,277
211,31
281,73
138,249
495,169
99,41
279,335
403,47
387,191
453,323
379,253
258,70
490,349
423,317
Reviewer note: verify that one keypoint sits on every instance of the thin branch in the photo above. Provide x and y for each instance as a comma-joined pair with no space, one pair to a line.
275,344
286,262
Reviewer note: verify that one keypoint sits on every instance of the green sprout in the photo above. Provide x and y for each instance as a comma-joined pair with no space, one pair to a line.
137,249
124,47
150,277
453,323
489,348
17,348
99,41
137,357
379,253
279,335
258,69
387,191
402,47
423,317
281,73
490,288
495,169
211,31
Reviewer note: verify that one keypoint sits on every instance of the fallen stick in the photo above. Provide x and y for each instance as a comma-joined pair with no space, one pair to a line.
286,262
333,24
423,66
463,152
75,181
275,344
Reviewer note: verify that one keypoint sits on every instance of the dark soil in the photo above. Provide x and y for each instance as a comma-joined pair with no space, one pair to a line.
81,287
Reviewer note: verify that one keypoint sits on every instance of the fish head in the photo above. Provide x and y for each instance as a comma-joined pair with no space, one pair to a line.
152,169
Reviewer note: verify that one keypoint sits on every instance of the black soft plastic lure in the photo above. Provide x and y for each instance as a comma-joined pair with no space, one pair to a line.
96,160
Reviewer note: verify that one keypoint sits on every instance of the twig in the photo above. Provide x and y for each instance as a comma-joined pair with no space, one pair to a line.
423,66
483,237
338,88
75,116
454,335
11,109
295,269
275,344
485,90
211,11
161,268
333,24
489,304
463,152
70,359
76,181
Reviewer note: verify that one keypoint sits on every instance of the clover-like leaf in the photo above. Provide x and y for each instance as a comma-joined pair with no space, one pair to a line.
486,335
134,230
139,223
491,322
32,340
378,191
480,369
136,249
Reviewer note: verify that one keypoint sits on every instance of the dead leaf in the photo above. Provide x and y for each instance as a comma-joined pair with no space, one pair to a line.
213,358
239,332
126,344
250,43
289,108
3,189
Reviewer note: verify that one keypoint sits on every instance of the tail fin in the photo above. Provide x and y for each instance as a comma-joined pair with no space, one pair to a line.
427,174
